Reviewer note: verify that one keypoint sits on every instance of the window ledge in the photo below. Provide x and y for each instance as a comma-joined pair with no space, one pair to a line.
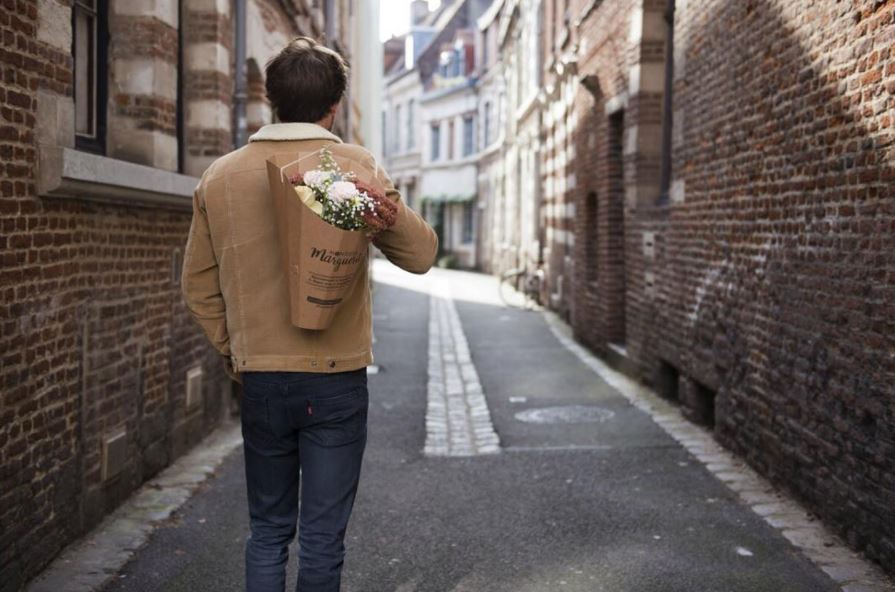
65,172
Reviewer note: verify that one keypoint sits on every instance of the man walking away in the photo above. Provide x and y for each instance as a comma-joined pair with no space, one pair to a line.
304,408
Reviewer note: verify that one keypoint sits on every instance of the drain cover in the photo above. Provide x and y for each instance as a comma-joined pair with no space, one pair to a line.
569,414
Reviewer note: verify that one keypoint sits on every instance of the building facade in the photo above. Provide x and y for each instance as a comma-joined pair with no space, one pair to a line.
707,188
448,176
493,247
110,111
430,121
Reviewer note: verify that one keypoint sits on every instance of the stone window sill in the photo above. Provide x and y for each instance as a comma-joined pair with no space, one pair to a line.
69,173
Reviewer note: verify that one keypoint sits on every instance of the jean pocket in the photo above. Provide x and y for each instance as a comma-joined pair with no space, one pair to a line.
255,405
339,419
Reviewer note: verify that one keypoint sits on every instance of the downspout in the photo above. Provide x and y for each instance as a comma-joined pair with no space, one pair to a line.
665,182
179,124
239,92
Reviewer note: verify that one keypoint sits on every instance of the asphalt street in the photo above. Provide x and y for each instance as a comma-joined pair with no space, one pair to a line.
609,504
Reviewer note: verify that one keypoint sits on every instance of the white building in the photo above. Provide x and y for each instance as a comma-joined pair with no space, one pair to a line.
402,137
430,121
492,240
510,175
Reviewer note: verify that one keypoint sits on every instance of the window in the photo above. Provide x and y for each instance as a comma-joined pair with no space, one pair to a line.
468,137
487,125
468,213
436,141
384,134
591,253
410,132
397,139
450,139
444,62
89,43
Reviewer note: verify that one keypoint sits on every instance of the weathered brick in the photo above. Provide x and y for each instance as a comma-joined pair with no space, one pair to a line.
767,276
92,331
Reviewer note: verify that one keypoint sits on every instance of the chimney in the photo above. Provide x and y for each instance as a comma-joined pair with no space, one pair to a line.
419,10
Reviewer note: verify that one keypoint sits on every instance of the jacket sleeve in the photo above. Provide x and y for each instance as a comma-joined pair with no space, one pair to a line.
410,243
200,283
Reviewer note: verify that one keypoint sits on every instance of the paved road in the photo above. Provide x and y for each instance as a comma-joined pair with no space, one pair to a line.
612,505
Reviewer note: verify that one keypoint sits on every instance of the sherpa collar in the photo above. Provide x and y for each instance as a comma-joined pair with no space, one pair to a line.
284,132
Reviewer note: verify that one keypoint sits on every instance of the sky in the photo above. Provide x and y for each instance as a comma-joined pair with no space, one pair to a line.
394,17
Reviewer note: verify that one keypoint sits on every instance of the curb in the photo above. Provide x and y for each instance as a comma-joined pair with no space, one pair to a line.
829,552
93,560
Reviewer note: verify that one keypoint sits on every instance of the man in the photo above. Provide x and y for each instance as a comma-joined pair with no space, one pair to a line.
304,406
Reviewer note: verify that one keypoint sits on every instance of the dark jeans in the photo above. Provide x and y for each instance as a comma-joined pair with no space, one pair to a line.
315,424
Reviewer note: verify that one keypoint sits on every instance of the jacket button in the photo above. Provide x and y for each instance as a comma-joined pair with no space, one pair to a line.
313,363
332,363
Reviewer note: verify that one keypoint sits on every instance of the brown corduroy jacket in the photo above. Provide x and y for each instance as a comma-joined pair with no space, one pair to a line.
232,278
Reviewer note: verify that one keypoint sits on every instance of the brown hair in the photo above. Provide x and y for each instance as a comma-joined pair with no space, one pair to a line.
305,80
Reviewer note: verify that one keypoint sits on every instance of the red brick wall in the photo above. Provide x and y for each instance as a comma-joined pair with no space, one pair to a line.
600,305
93,335
777,266
773,286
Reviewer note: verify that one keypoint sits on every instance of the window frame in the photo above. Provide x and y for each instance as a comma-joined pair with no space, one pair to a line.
435,141
411,141
468,136
97,142
467,234
452,131
396,147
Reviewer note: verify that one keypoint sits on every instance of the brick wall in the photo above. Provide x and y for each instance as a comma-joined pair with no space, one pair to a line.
760,295
95,343
94,338
605,113
777,249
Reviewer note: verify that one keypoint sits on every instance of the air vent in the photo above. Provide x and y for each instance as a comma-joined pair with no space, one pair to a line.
193,387
176,265
114,454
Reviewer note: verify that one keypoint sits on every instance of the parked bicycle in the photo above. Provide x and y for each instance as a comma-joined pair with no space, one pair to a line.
520,288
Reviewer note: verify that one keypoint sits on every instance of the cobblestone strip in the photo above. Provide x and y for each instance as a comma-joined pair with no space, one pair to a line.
458,422
849,570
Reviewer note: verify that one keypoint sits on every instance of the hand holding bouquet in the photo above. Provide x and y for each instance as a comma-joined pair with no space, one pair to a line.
341,199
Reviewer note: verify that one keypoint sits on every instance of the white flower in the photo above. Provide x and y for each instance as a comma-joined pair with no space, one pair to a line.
316,177
342,190
306,195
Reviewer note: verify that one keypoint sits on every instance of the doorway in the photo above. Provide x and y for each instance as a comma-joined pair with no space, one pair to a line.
616,290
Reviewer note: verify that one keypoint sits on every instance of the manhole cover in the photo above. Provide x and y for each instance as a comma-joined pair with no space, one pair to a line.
570,414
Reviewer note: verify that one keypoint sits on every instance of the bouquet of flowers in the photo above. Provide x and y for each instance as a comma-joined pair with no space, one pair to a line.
324,235
341,199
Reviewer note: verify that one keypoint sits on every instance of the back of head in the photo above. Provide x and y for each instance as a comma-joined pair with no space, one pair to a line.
305,80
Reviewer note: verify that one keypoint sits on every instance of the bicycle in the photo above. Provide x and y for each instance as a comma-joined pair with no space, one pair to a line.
531,288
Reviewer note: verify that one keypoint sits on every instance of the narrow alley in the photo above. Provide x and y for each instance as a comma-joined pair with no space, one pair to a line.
585,492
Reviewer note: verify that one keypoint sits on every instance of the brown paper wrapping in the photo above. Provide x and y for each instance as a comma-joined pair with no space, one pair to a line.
321,262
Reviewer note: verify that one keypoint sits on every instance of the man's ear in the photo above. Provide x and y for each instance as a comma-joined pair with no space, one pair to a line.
332,115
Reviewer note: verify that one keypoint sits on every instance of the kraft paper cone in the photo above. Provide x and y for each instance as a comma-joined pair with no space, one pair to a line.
321,262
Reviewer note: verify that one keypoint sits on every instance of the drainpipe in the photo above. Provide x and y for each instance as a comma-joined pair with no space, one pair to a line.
665,177
239,94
